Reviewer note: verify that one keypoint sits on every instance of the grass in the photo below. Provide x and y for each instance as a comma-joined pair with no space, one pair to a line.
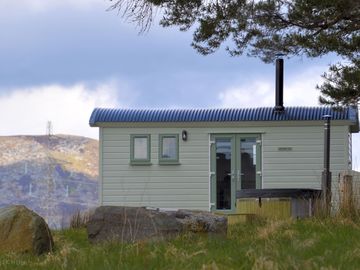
287,244
79,219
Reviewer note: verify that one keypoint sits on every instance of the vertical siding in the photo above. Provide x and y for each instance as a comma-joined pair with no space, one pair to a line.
336,177
187,185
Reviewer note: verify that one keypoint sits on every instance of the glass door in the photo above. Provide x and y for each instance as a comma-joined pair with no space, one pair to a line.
248,162
223,172
235,165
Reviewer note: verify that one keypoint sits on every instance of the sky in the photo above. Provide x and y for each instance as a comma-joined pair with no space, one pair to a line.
60,59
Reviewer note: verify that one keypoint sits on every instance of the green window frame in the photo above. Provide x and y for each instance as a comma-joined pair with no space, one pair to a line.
165,160
140,161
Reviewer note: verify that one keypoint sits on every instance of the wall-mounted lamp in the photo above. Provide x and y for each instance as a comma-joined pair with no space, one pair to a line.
184,135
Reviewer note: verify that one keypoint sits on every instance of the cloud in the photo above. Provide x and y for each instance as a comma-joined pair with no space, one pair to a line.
299,90
27,110
255,94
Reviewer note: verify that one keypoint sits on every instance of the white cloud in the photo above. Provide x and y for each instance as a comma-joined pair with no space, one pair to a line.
27,110
299,90
255,94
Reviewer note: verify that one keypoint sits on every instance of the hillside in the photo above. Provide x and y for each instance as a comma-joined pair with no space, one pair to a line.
53,175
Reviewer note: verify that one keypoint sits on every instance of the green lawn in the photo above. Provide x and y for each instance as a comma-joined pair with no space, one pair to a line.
302,244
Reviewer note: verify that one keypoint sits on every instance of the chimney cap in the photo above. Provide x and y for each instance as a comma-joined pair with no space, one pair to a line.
279,55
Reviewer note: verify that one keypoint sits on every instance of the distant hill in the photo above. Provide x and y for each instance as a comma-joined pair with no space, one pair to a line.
53,175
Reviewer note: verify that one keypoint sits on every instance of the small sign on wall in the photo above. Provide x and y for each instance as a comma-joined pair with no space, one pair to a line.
285,149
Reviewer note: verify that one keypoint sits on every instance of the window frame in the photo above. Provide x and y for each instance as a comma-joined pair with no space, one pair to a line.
134,161
168,161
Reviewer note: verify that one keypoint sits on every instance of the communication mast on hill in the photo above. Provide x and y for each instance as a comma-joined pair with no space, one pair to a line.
49,128
50,196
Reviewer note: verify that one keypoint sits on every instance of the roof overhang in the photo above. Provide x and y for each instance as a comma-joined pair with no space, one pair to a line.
293,116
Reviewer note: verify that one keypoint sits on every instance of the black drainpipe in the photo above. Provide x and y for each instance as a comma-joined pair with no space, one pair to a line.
279,88
326,174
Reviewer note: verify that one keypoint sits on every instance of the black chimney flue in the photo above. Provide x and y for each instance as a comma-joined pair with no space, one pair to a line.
279,91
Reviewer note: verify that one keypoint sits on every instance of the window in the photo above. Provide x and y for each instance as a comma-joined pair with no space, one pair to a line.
140,149
169,149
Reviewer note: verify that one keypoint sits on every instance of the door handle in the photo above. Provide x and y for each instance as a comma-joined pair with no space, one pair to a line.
232,174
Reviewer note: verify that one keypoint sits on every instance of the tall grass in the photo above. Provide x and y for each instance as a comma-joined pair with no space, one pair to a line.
272,244
79,219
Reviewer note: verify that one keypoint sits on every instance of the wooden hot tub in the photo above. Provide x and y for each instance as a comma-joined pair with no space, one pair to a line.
274,203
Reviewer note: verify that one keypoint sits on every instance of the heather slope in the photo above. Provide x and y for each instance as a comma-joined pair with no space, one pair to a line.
53,175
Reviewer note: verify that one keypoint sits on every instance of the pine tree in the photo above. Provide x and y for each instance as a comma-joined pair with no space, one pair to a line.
265,28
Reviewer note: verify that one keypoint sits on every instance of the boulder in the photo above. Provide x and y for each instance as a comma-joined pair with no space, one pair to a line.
23,231
131,224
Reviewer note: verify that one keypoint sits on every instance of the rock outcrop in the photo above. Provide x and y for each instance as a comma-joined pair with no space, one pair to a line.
23,231
131,224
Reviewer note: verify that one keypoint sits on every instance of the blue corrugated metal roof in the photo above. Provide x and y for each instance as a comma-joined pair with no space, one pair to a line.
101,115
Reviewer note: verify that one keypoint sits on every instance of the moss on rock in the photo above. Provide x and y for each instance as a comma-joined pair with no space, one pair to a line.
23,231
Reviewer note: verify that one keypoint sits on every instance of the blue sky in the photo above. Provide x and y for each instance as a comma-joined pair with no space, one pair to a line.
59,59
